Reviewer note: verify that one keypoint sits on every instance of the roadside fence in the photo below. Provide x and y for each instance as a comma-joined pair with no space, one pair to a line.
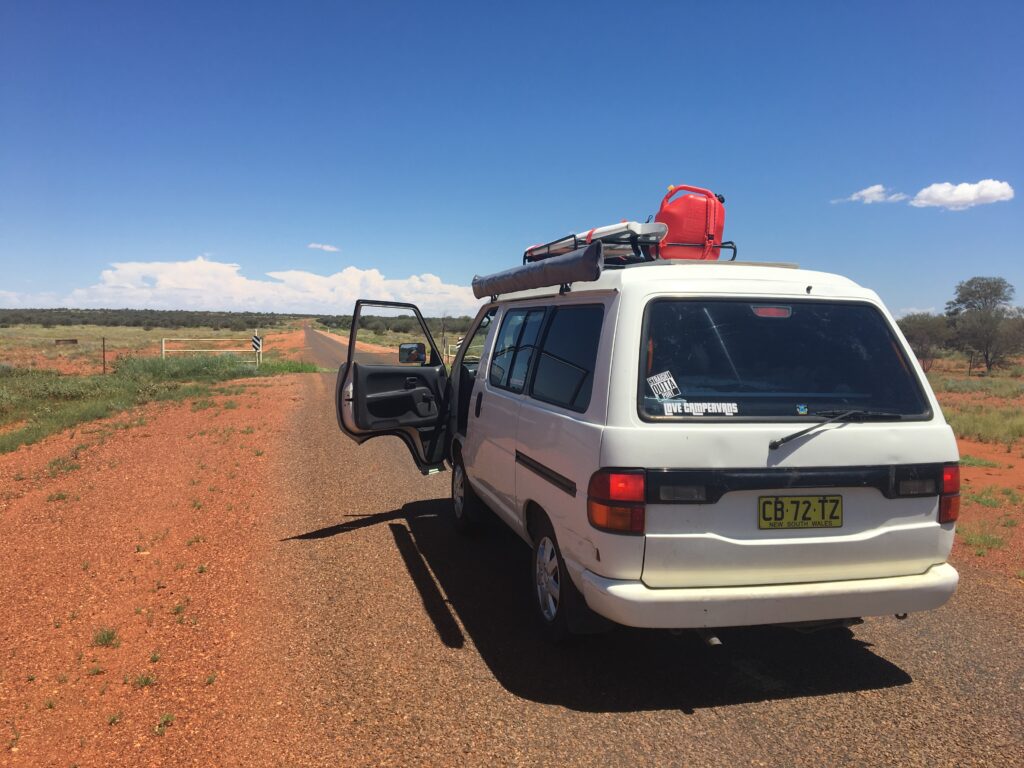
254,348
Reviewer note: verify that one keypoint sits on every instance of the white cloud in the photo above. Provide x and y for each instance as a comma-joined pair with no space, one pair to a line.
876,193
12,300
958,197
205,284
323,247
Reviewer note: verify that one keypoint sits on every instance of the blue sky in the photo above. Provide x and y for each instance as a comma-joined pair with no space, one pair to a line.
441,138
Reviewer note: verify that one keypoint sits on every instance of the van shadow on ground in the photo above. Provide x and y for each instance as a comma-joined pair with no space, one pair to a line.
485,581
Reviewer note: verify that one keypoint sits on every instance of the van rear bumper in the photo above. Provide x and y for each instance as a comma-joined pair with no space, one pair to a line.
634,604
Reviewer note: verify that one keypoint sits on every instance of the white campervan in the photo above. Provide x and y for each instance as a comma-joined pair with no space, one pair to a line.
683,444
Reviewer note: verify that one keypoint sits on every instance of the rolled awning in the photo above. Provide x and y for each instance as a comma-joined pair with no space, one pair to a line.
581,265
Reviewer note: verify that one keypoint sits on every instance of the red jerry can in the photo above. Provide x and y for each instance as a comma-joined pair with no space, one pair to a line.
695,224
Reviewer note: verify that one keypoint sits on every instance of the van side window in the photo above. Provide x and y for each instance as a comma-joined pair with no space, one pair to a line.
505,347
514,349
565,369
524,350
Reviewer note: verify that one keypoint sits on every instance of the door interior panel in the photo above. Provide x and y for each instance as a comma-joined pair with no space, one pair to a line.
393,397
406,401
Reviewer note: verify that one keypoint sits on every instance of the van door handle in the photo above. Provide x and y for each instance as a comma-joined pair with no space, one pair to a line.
479,400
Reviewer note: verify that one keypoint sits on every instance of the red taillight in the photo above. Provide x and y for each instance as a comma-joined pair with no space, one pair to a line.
951,479
615,500
949,501
619,485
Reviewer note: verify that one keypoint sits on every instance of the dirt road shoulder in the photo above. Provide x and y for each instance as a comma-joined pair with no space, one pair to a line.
137,628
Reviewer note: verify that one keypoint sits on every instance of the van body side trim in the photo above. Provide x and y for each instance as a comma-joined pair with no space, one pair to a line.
561,482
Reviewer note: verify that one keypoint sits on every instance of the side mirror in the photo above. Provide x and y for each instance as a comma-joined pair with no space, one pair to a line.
412,353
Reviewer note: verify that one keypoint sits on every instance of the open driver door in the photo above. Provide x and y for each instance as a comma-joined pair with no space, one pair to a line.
394,382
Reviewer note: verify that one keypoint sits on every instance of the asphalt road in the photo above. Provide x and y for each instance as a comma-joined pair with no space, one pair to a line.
414,646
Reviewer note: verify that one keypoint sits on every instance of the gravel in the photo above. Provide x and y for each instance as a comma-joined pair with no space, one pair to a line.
412,645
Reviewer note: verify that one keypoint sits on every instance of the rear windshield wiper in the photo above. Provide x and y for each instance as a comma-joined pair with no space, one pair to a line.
836,415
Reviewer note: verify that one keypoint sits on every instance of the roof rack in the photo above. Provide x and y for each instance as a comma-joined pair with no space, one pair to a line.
582,256
627,242
624,243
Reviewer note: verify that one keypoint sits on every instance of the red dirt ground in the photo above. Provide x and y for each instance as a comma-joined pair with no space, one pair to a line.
957,366
28,358
153,529
1004,521
289,344
982,399
153,523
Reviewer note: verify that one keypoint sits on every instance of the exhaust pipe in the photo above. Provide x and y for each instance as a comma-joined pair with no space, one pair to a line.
807,627
709,637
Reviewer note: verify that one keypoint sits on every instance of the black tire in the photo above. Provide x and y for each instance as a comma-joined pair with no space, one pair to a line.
553,595
467,509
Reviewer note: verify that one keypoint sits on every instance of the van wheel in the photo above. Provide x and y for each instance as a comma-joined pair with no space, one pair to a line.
553,592
466,505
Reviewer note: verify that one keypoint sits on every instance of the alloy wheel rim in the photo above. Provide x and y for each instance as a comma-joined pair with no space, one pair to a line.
548,578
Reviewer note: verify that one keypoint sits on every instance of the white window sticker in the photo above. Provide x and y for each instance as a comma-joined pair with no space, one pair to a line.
685,408
663,385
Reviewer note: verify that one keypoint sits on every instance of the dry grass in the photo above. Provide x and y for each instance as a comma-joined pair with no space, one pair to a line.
987,423
41,402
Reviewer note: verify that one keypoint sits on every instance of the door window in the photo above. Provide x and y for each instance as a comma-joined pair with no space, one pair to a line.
565,368
475,344
390,336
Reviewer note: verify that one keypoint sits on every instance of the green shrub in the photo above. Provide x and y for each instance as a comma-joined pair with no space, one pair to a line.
272,367
106,638
974,461
985,497
50,402
981,541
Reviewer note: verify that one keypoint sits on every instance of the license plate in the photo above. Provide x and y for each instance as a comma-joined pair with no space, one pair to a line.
799,512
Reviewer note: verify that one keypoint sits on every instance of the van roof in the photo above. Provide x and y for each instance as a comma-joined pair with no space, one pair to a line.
693,277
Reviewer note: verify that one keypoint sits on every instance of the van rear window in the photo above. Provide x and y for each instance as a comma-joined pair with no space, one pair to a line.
769,359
